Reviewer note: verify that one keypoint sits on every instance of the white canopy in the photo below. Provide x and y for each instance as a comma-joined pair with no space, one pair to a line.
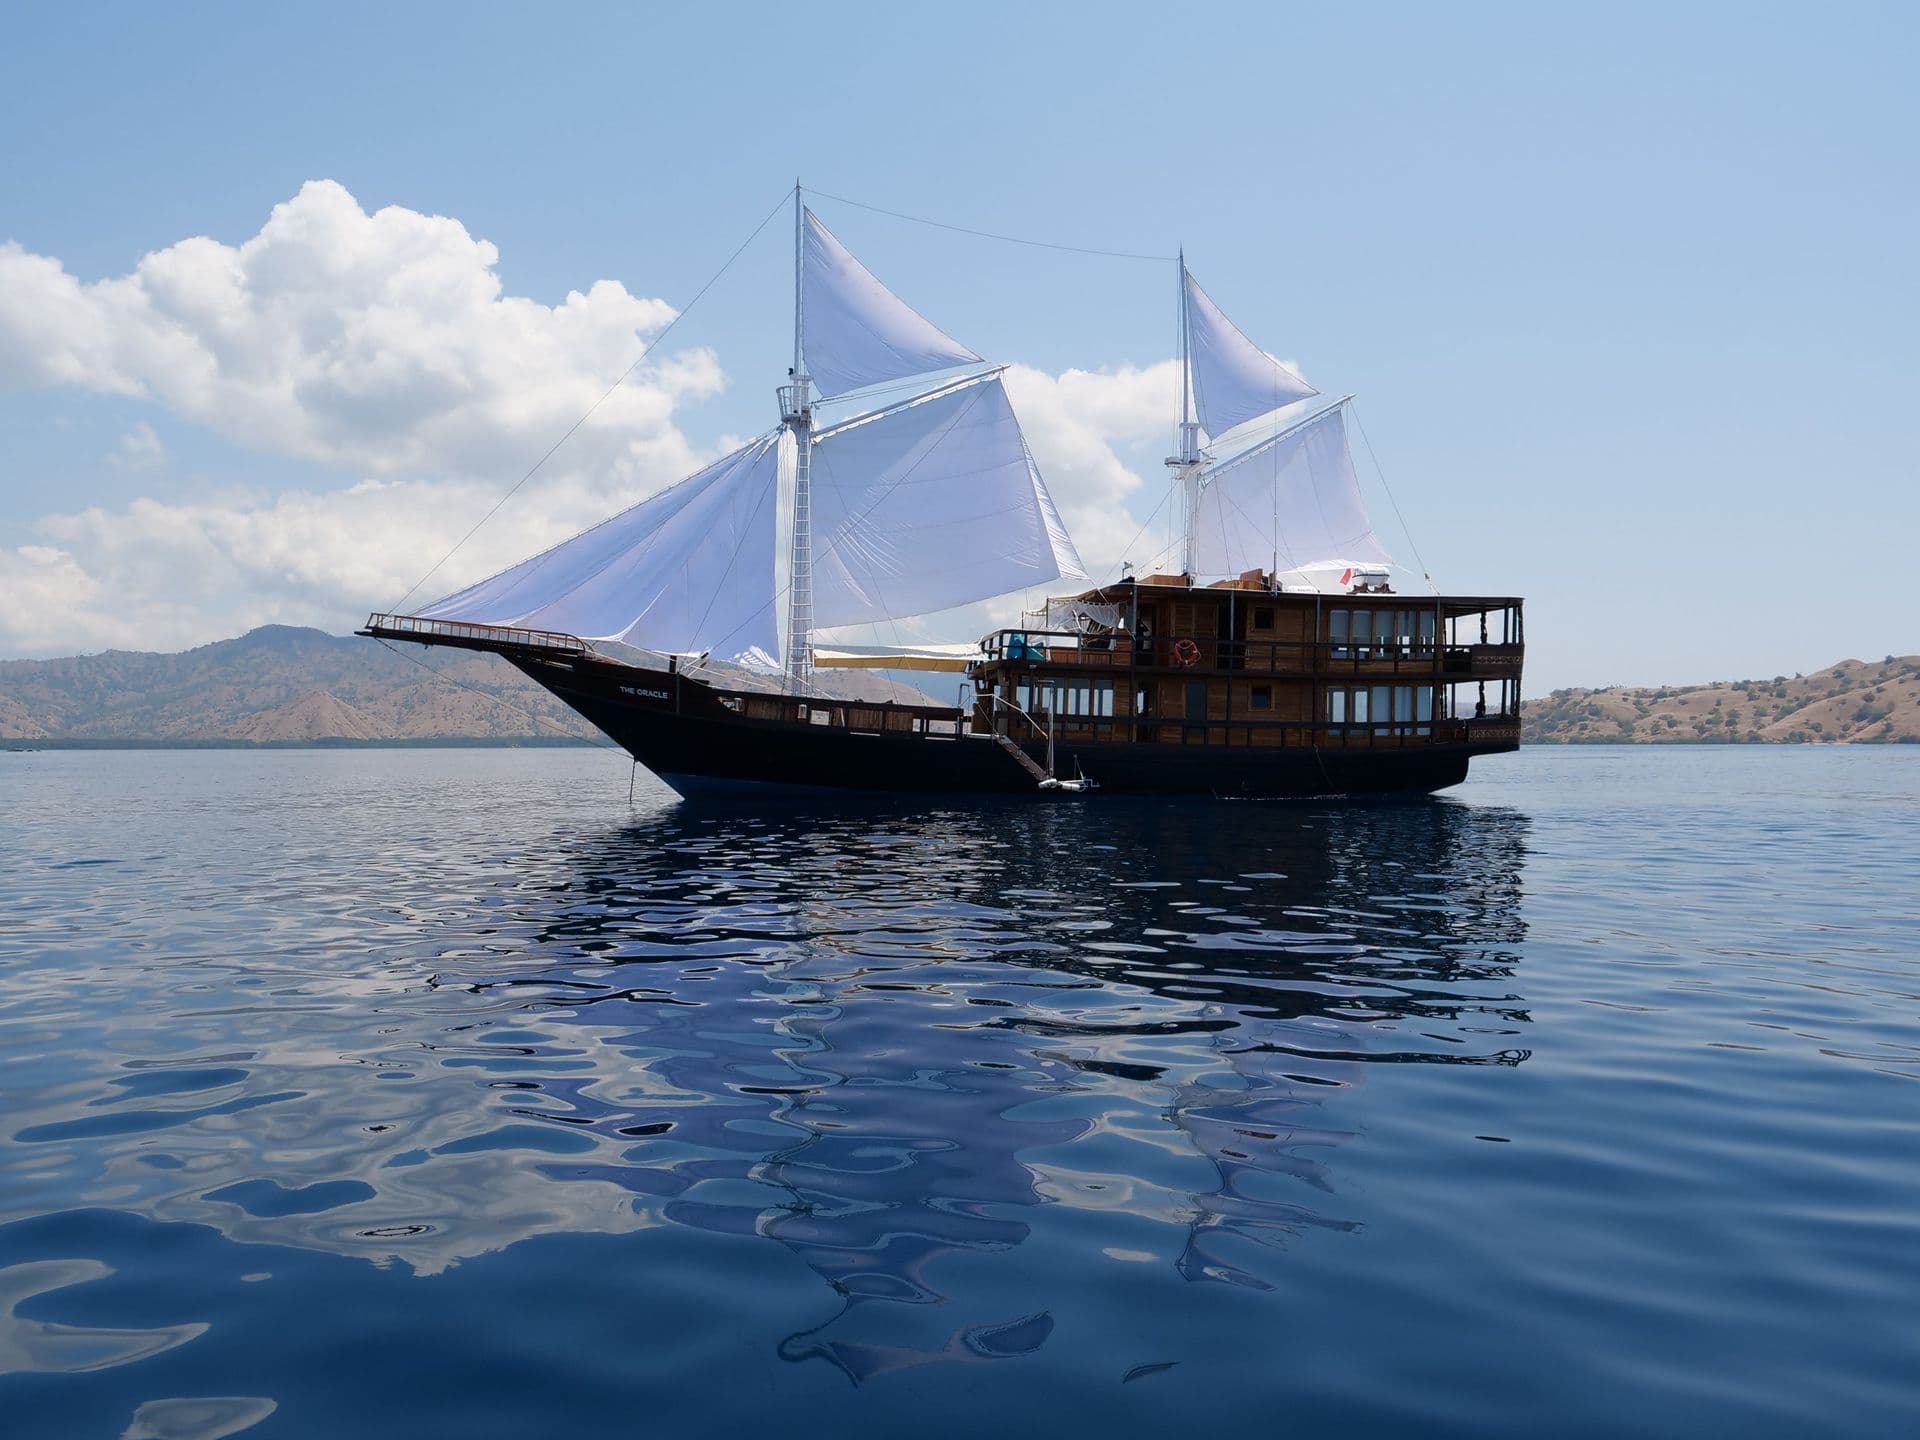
1234,380
1071,614
928,504
835,656
1289,503
685,571
854,331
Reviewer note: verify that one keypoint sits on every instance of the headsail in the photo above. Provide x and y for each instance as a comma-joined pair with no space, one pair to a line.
1234,380
1290,503
855,331
687,570
928,504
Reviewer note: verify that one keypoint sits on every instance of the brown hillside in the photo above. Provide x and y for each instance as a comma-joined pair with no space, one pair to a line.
285,685
318,716
1853,702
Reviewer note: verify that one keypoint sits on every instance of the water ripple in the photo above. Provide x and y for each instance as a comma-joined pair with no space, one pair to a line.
977,1085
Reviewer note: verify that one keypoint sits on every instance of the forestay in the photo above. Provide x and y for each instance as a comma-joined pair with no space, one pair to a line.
686,571
855,332
1289,503
929,504
1234,380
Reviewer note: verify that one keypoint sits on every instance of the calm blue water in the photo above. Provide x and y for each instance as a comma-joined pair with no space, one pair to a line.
407,1093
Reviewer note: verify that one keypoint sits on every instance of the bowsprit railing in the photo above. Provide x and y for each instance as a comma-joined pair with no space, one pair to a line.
415,627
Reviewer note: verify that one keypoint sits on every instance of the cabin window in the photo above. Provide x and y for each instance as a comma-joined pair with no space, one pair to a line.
1263,617
1381,634
1086,698
1196,700
1261,697
1386,709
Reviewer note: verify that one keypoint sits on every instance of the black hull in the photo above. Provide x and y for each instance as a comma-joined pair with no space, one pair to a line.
671,727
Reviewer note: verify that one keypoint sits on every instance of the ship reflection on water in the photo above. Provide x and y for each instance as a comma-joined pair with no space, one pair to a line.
893,1044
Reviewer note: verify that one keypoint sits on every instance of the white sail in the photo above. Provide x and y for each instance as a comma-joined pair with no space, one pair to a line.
928,504
687,570
1234,380
855,331
1289,503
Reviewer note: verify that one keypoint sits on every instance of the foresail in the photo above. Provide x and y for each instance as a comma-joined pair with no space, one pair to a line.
1289,503
930,504
1234,380
688,570
855,331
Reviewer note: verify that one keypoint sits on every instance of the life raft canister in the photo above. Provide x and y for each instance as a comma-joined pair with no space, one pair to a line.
1185,652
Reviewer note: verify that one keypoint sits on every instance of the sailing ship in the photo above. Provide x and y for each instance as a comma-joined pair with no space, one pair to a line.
1296,670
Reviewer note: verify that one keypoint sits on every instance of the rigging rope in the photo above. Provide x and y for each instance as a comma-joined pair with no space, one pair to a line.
500,700
990,235
1122,561
651,346
1424,575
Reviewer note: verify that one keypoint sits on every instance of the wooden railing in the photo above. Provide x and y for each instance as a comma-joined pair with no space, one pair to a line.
1257,657
858,716
414,627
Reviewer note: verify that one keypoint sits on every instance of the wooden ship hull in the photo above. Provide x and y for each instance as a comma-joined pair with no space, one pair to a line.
1243,695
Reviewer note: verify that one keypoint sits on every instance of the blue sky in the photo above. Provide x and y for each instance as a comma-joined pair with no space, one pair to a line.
1627,294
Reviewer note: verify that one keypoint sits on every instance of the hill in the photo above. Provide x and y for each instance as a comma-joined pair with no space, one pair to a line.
1852,703
282,684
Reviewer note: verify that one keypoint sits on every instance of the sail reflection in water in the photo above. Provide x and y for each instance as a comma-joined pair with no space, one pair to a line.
903,1046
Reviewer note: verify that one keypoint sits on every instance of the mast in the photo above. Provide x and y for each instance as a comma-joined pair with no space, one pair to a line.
796,413
1185,461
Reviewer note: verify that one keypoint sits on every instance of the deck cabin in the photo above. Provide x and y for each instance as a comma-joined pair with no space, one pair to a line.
1247,662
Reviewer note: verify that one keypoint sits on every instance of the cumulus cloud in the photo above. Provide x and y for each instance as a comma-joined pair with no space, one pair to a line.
139,449
377,343
382,347
1073,422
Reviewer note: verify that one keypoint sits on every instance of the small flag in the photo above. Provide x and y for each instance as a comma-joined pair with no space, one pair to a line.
1346,577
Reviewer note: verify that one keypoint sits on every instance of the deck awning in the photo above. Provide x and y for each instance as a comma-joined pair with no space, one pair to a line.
895,657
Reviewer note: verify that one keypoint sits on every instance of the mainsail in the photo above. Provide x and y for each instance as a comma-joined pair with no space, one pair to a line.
930,504
1291,502
917,507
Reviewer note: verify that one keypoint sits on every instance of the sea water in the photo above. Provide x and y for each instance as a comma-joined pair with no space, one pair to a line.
413,1092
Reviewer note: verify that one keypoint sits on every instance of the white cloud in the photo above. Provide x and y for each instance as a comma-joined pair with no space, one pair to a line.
1073,423
381,346
139,449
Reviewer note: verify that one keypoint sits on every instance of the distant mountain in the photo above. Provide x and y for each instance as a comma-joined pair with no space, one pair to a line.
1854,702
286,685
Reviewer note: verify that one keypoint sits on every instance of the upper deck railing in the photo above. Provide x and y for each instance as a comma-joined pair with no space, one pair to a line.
1427,657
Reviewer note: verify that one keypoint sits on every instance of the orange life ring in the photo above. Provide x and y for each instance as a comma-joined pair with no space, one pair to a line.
1185,652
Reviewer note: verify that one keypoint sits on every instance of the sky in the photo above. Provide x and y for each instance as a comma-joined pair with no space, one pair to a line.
291,296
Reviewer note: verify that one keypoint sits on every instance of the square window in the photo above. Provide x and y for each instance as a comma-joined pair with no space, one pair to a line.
1263,697
1263,617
